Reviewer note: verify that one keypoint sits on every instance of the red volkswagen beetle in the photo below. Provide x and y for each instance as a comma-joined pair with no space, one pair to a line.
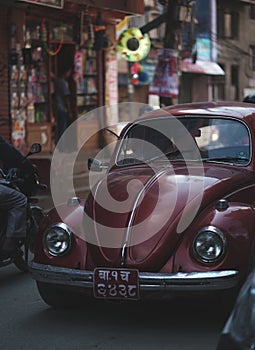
173,211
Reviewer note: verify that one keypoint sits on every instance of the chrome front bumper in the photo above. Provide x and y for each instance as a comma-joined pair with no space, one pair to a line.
148,282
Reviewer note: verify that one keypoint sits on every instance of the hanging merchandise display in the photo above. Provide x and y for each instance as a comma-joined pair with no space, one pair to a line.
29,89
18,95
44,40
165,80
133,45
139,76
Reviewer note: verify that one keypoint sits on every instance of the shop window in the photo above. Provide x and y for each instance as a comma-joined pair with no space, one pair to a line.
228,24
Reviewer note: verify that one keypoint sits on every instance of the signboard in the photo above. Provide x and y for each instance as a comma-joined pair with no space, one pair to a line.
200,37
111,86
203,49
51,3
165,80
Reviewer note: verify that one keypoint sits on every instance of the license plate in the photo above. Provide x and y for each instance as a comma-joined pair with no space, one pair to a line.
117,283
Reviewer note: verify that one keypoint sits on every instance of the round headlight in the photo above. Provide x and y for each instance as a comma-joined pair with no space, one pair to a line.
209,244
57,239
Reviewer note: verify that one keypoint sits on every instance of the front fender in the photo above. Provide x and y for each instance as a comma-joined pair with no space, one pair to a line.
72,216
237,223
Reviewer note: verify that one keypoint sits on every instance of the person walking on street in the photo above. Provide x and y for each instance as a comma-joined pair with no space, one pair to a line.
63,100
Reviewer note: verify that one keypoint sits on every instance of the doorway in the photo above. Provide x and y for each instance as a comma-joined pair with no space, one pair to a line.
59,63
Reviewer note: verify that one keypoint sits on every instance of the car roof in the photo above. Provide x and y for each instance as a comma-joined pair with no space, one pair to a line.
227,109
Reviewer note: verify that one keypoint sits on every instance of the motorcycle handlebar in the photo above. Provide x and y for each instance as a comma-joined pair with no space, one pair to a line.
13,178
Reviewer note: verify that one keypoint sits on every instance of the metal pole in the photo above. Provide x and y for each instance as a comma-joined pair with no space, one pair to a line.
170,40
171,25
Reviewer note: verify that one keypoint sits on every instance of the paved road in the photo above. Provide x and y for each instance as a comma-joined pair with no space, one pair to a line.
27,323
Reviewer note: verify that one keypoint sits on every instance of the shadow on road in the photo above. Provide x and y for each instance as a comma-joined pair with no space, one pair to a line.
182,323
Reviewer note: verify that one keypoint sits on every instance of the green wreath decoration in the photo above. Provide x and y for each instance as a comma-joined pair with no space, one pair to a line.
133,45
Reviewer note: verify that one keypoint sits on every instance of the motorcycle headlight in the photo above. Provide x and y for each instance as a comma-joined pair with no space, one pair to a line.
57,239
209,244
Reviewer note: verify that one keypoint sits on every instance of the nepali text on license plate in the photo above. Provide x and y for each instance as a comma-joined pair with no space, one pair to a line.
110,283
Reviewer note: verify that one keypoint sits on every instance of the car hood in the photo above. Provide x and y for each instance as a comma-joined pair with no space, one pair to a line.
133,214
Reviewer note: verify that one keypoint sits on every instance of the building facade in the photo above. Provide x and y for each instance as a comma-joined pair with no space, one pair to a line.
236,47
195,44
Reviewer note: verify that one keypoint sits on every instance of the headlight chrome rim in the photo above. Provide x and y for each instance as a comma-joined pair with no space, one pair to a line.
66,230
217,232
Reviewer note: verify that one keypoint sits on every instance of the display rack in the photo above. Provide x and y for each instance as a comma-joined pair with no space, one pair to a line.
29,92
87,82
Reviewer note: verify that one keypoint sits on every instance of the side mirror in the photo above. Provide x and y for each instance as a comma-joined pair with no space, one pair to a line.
96,165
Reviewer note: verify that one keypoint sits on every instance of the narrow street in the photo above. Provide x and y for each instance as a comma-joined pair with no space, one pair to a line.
27,323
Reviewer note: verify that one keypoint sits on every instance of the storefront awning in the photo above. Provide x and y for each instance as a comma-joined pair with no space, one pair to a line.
201,67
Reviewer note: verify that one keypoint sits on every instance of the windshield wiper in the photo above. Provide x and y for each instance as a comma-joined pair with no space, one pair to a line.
167,155
226,159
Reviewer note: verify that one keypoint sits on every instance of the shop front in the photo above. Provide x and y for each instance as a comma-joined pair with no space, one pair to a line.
38,40
201,81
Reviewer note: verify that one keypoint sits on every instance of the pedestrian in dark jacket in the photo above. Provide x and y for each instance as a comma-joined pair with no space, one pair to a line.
62,100
12,201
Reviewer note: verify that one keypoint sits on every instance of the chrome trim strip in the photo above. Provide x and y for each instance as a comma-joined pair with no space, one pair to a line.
127,235
239,190
148,282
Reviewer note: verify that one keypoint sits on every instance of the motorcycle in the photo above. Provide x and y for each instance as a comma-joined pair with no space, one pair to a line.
28,184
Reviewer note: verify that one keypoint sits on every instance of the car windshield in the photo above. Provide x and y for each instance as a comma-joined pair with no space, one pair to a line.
192,138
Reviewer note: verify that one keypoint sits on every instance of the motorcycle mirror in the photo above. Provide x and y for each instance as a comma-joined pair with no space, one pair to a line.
35,148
